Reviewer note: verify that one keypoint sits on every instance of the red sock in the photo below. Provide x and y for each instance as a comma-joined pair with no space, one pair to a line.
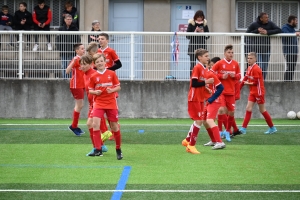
97,139
216,134
235,128
225,121
229,123
211,135
194,134
268,118
103,126
188,137
75,119
220,122
118,136
91,136
247,118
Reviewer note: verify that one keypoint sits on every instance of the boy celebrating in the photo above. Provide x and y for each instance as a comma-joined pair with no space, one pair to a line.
103,85
76,87
255,80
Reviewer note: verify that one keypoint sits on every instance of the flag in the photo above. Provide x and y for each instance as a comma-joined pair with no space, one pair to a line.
175,48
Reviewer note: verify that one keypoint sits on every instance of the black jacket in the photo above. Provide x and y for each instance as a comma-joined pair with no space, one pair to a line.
260,44
75,17
196,42
65,43
18,18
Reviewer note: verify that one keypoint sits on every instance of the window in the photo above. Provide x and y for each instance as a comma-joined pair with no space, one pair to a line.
278,11
57,7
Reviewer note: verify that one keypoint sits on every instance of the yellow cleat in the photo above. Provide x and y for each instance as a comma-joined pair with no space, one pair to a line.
185,143
192,149
106,135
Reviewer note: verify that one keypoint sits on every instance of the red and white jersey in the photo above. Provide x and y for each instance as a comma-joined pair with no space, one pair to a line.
225,67
212,87
87,75
254,75
102,81
110,54
77,80
198,93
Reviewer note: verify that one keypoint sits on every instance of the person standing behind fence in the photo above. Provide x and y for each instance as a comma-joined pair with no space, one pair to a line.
197,25
96,28
42,17
71,10
64,43
261,45
290,47
6,21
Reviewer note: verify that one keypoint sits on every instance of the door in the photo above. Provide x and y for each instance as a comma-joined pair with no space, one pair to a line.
127,16
181,12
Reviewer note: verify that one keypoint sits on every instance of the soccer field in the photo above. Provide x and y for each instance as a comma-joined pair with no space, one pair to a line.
42,159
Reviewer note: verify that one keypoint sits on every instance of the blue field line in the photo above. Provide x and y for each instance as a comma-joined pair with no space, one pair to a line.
121,184
57,166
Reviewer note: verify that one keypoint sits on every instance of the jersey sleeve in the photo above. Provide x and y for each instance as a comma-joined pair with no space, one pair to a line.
216,80
91,85
196,73
116,81
114,55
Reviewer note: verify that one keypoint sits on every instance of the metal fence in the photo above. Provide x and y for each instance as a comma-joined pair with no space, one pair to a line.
144,55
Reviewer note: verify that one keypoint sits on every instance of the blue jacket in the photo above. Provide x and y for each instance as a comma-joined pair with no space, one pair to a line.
289,44
6,20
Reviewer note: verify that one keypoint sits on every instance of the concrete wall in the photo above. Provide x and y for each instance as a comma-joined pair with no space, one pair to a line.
166,99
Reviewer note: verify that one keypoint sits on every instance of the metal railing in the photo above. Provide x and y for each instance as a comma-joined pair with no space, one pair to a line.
144,55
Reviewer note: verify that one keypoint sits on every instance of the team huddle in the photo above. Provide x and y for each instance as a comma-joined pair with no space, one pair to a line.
214,88
94,73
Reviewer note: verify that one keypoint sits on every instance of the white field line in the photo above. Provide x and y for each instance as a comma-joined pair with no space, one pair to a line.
135,125
161,191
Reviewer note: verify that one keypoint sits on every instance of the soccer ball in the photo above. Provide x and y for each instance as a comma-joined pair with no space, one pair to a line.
298,115
291,115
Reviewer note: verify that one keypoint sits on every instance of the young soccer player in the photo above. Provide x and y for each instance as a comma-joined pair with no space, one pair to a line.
196,98
103,85
77,87
255,80
228,71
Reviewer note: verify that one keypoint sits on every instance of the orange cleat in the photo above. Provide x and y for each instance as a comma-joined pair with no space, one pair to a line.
185,143
192,149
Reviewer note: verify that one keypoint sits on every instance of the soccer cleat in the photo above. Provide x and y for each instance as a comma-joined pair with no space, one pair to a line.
235,133
243,130
104,148
227,136
210,143
219,145
271,130
185,143
49,47
222,134
119,154
92,151
35,47
106,135
96,152
80,131
74,130
192,149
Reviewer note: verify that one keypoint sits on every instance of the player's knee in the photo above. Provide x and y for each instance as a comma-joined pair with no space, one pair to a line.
114,126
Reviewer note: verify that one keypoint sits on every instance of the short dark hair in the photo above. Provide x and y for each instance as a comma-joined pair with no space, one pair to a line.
200,52
105,35
228,47
199,13
68,4
262,14
215,59
23,3
292,17
4,7
76,46
41,1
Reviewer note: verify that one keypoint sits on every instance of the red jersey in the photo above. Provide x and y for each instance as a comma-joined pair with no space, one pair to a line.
110,54
198,93
213,86
87,75
254,75
225,67
77,80
101,81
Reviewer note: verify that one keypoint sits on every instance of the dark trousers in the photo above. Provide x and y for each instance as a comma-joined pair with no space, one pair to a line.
192,62
46,28
291,62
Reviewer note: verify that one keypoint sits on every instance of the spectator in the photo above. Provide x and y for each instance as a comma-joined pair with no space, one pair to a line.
290,47
71,10
261,45
199,25
23,20
42,16
65,43
95,27
6,21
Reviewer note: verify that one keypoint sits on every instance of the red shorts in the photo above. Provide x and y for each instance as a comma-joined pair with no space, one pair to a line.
228,101
78,93
196,110
237,90
112,114
211,110
256,98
